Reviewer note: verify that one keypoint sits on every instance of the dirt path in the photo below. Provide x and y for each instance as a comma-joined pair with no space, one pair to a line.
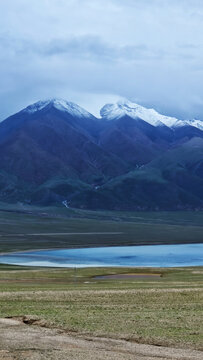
19,341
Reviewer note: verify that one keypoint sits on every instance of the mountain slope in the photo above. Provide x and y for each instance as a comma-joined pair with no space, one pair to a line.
173,181
136,142
183,166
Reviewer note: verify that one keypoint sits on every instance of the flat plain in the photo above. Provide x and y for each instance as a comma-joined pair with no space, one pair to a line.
99,313
27,227
68,314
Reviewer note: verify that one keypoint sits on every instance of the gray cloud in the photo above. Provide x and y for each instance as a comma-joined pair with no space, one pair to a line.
147,50
93,48
88,47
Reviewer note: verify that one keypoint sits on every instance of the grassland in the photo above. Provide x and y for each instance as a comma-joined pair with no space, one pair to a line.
166,310
24,228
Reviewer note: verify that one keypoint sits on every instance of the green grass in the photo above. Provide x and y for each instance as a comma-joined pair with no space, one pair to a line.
162,311
17,224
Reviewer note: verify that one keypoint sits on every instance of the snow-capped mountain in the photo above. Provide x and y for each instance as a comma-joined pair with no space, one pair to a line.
114,112
54,151
133,110
59,104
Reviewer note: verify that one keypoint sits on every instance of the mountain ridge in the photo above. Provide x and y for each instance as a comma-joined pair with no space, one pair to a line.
55,151
122,108
113,111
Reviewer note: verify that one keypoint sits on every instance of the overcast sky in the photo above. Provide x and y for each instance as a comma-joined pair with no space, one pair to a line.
97,51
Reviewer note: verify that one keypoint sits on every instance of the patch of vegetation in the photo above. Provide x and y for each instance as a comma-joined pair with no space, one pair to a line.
163,311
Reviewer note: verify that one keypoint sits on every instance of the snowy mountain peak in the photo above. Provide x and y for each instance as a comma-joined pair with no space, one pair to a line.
59,104
196,123
133,110
115,111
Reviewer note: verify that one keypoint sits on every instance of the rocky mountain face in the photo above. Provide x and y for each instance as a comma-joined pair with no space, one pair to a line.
132,158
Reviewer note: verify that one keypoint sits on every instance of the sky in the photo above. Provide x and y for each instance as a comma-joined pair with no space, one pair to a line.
94,52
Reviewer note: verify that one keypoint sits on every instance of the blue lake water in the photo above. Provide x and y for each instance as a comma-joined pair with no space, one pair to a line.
141,256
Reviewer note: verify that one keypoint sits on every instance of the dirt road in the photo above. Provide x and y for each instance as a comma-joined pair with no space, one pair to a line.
19,341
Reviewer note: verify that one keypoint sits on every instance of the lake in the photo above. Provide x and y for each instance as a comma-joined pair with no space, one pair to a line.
124,256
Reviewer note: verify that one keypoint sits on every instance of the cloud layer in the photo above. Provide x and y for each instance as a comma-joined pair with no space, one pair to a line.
95,51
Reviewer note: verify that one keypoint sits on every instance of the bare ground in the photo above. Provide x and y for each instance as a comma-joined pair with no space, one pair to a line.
20,341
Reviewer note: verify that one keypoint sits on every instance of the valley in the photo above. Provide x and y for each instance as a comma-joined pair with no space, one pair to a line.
101,180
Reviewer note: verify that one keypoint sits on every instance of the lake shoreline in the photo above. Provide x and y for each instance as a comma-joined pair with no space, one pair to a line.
153,256
95,247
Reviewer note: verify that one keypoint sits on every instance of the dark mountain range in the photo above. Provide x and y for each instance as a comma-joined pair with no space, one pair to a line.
52,142
131,158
